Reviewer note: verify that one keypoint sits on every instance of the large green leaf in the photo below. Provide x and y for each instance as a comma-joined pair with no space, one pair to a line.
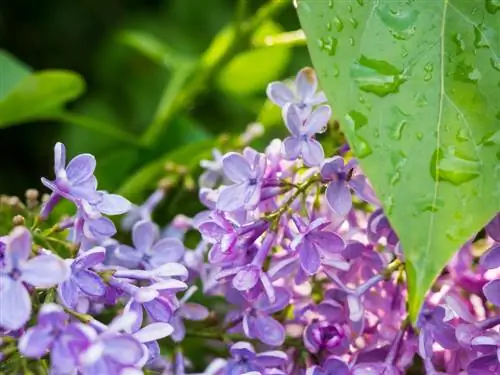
415,86
12,71
40,94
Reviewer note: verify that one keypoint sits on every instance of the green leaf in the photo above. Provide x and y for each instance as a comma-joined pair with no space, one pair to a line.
415,87
12,71
252,70
39,95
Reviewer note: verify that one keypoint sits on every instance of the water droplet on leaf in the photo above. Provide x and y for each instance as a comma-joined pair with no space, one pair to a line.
354,22
401,23
495,63
462,134
328,45
458,39
377,76
419,136
339,25
354,121
448,165
491,139
480,40
492,6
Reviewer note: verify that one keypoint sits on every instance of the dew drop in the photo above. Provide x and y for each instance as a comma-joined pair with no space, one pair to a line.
377,76
495,63
335,70
399,122
351,42
329,26
339,25
480,40
328,45
354,121
458,39
419,135
361,2
462,135
404,52
492,6
466,73
354,22
401,23
388,205
349,8
330,4
429,204
448,165
491,139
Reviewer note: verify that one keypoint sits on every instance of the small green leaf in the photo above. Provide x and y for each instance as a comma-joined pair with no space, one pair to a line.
252,70
39,95
12,71
415,86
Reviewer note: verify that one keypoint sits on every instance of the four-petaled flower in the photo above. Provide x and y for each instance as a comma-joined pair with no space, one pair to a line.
304,96
248,176
42,271
302,142
149,252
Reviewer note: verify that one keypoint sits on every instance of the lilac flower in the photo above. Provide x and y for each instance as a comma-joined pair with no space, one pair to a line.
250,279
305,95
488,363
245,360
491,260
247,176
189,311
379,227
144,211
341,178
74,181
42,271
256,318
326,335
301,143
111,352
493,228
435,329
53,334
149,252
148,336
83,281
157,299
315,245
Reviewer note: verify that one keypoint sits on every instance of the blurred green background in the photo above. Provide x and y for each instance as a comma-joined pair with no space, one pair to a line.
137,58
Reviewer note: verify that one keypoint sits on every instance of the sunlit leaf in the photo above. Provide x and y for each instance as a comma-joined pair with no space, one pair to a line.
12,71
415,88
39,95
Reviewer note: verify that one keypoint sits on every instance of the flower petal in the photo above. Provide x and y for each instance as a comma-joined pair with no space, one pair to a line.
339,198
144,235
59,157
491,259
36,341
309,257
166,250
331,167
291,148
312,152
236,167
153,331
113,204
269,331
90,283
246,278
306,83
44,271
193,311
231,198
291,117
18,247
327,241
68,293
123,349
318,120
80,168
279,93
91,257
15,303
492,291
272,358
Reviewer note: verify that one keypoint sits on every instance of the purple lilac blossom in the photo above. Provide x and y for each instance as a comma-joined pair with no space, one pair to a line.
18,271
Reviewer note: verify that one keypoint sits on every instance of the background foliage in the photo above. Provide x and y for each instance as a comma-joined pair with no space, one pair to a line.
131,58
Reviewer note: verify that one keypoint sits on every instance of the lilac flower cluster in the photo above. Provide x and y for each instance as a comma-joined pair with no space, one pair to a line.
297,271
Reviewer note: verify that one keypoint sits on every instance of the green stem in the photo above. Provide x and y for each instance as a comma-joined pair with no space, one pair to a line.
84,318
206,69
